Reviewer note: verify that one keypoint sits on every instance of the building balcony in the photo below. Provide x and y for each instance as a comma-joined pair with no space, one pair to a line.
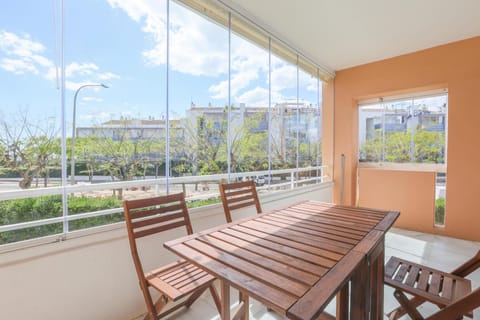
90,274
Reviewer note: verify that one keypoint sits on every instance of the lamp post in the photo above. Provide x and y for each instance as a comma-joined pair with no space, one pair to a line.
72,160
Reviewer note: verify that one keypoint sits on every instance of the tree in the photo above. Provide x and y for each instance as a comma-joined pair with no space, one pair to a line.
428,147
89,152
29,149
202,146
249,144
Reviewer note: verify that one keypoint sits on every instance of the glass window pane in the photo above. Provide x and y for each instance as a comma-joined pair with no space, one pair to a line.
308,126
30,115
407,130
115,102
398,129
198,98
371,133
430,134
249,115
284,119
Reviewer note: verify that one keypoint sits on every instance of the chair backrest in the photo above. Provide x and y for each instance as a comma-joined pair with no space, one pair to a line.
149,216
459,308
238,195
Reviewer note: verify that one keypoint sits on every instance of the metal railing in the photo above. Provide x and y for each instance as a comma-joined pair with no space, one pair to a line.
289,176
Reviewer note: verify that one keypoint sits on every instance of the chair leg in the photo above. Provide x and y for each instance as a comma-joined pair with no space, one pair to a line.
152,308
194,297
216,298
410,309
400,311
157,307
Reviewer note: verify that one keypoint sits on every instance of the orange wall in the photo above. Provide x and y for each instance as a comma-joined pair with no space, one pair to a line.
392,190
455,66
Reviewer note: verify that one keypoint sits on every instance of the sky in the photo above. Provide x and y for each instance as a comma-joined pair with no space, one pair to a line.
122,44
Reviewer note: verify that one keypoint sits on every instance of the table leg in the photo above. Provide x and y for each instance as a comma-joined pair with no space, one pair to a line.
342,303
244,306
241,311
358,307
225,292
375,281
378,270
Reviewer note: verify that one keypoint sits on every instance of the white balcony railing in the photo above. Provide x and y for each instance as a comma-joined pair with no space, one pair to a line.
292,179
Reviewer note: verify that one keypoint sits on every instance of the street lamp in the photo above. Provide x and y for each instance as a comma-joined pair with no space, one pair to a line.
72,160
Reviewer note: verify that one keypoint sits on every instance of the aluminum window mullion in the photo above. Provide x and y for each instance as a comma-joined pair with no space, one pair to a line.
318,122
229,109
297,131
167,97
64,122
269,142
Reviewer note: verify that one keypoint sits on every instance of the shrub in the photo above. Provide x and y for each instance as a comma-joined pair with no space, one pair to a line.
440,211
23,210
31,209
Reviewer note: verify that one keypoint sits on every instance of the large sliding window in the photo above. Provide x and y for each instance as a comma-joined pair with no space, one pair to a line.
147,98
408,129
30,116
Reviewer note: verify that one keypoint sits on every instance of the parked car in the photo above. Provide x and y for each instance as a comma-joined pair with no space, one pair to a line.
259,180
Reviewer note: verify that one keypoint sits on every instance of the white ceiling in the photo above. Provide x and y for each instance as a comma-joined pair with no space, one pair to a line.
338,34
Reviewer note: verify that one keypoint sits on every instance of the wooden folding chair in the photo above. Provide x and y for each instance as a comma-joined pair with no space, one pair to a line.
451,292
178,280
238,195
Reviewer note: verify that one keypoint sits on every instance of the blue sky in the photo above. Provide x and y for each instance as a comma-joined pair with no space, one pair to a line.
122,43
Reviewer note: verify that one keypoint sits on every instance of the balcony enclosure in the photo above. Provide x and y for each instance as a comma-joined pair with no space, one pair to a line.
110,100
204,98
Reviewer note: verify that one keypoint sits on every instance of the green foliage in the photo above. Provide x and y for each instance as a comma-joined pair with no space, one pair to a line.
428,147
440,211
398,147
200,203
31,209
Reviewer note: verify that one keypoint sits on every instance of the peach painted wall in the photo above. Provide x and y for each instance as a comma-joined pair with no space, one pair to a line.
455,66
392,190
327,127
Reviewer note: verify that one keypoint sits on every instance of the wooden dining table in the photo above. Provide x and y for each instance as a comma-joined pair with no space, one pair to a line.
296,259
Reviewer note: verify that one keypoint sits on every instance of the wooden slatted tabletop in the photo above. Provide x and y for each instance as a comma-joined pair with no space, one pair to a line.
295,259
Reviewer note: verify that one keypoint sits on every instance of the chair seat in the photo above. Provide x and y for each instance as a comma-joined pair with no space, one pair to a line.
433,285
178,279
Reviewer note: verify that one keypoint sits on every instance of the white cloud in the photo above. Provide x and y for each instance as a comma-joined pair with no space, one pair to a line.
88,71
192,50
136,10
150,14
92,99
23,55
21,46
307,81
199,47
284,76
239,81
258,97
18,66
80,69
255,97
107,76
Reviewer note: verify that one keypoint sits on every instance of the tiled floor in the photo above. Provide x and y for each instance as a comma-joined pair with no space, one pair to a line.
436,251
